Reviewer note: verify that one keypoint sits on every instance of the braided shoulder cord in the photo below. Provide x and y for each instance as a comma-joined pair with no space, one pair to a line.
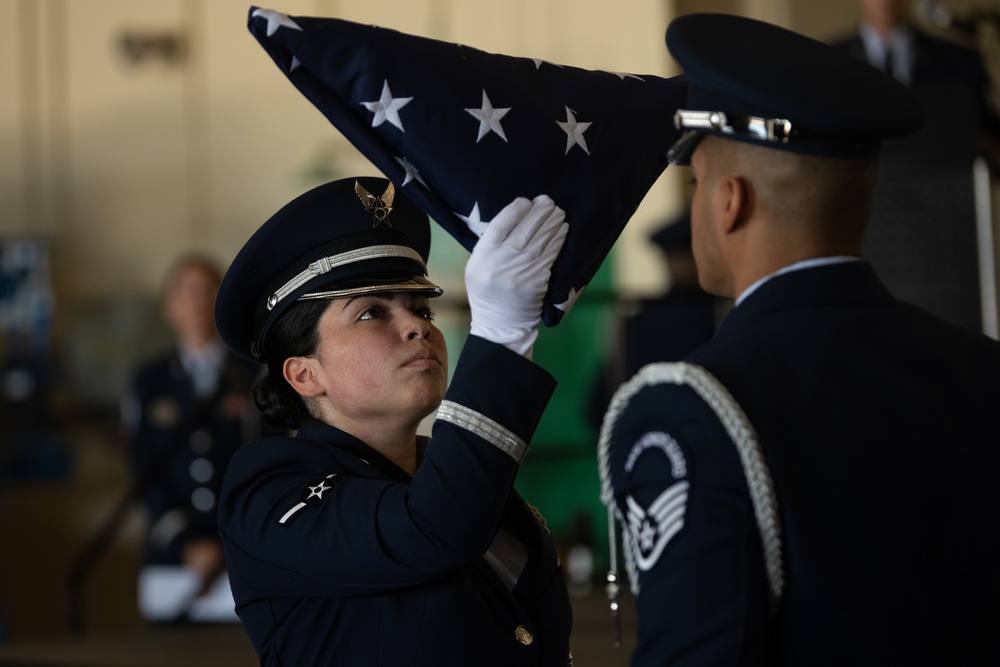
739,429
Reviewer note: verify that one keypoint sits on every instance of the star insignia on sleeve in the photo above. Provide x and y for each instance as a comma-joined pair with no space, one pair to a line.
574,130
313,497
489,118
387,107
275,20
317,491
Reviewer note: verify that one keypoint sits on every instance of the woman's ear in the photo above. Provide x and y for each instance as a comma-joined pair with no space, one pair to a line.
302,374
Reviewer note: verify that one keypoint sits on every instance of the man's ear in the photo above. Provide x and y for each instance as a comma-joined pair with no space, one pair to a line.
735,202
302,373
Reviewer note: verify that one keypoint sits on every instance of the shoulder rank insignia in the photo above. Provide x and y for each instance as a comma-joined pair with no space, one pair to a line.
651,528
311,495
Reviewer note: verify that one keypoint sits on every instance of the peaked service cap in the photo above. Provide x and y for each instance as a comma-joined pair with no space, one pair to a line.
344,238
756,82
465,132
675,234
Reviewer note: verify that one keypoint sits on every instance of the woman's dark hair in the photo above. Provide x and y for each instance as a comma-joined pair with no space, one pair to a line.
295,334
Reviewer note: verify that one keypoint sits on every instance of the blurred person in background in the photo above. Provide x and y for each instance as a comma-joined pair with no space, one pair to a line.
924,239
185,413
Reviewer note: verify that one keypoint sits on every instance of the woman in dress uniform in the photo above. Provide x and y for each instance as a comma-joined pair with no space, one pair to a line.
358,542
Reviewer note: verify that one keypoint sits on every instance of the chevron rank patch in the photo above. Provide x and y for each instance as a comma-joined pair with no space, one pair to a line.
312,494
651,527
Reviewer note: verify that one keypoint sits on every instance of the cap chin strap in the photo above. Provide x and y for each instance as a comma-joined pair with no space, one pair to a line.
327,264
776,130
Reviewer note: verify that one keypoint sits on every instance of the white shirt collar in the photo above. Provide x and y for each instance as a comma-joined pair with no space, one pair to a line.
797,266
203,366
900,40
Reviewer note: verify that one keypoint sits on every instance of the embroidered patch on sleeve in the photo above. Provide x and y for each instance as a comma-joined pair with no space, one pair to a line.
651,528
312,494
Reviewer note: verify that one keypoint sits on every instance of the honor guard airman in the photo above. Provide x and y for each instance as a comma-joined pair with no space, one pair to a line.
814,486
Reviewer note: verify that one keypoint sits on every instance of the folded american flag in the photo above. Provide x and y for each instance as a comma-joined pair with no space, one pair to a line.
464,132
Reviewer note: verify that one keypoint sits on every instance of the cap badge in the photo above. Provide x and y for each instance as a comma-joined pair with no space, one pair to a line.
380,207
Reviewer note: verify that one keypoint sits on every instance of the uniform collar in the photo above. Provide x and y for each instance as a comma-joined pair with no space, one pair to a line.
317,431
818,285
797,266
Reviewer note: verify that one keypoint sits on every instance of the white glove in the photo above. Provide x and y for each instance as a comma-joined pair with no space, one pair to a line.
508,273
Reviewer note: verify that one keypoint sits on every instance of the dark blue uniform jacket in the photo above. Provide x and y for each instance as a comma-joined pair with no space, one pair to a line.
338,557
171,433
879,424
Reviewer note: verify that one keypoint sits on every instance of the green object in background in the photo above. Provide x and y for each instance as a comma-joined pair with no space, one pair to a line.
559,475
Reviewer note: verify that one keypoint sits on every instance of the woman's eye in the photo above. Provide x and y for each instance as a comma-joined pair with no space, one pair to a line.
426,313
371,313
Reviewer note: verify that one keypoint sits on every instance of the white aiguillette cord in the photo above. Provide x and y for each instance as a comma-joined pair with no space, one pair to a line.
613,588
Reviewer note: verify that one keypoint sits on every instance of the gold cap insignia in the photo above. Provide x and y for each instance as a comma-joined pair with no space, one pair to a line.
379,206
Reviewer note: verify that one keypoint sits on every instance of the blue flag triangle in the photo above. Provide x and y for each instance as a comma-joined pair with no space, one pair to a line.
465,132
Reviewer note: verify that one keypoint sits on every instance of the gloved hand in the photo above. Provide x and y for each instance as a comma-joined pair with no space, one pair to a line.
508,273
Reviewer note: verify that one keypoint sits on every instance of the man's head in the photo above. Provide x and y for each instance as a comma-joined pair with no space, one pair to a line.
755,209
884,15
783,132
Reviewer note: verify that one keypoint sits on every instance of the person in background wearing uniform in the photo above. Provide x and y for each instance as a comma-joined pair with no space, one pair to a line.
926,220
815,486
664,328
942,73
186,412
358,541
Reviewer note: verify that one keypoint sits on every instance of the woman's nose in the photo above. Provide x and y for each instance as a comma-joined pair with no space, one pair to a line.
417,326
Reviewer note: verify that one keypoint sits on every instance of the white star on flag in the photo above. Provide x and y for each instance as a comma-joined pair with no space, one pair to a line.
411,172
489,118
474,221
622,75
275,20
567,305
574,131
538,63
387,107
